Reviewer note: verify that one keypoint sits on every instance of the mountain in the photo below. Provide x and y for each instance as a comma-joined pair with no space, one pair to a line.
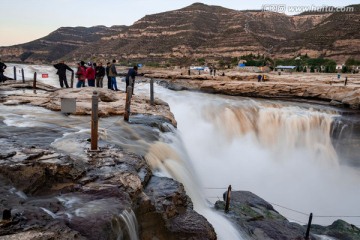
201,31
57,44
336,37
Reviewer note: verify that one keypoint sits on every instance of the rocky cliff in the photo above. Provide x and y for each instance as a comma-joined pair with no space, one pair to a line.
57,44
202,31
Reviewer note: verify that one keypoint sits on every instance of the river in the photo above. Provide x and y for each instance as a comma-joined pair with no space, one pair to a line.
282,151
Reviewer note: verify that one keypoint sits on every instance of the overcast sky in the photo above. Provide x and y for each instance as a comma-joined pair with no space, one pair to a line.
26,20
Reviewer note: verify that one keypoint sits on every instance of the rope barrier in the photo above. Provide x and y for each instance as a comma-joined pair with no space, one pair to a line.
336,216
306,214
296,211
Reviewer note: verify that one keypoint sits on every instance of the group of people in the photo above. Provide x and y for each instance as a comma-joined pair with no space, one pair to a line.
94,74
262,78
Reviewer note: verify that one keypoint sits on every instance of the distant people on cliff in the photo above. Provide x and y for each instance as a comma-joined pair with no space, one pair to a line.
259,77
346,80
81,74
113,74
130,78
61,71
107,69
2,70
214,71
99,75
90,74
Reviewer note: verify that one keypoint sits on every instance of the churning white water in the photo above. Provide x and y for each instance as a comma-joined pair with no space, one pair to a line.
279,151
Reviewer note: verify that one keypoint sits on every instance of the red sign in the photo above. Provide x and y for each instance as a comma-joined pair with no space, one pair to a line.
44,75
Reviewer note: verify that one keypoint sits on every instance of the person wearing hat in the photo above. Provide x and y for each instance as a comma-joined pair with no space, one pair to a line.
61,71
2,69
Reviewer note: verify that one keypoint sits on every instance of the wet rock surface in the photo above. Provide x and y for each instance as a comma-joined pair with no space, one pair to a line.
261,221
165,201
339,230
50,194
47,193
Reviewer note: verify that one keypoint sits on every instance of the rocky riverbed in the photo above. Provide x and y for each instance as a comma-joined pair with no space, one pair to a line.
47,193
314,86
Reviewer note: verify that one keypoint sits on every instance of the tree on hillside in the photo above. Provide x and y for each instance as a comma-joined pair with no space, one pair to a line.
344,69
201,61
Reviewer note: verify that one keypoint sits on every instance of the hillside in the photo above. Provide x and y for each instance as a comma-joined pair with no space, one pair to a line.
201,31
57,44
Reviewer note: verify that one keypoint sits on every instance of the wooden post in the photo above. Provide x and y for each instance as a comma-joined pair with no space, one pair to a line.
127,103
72,80
23,75
227,203
152,91
14,73
34,82
94,121
307,236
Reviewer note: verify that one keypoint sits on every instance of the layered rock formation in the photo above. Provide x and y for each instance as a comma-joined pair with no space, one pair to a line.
323,87
200,31
50,192
57,44
110,102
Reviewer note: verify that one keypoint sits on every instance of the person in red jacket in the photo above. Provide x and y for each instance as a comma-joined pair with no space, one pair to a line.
81,74
90,75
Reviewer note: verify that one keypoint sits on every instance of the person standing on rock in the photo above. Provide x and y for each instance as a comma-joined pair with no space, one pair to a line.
99,75
107,69
61,71
130,78
259,77
90,75
2,70
113,74
81,75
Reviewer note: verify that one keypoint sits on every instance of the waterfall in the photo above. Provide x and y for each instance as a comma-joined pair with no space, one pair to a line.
171,160
281,151
129,218
278,128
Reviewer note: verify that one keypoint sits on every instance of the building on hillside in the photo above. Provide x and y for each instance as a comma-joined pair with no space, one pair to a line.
285,68
253,69
339,66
